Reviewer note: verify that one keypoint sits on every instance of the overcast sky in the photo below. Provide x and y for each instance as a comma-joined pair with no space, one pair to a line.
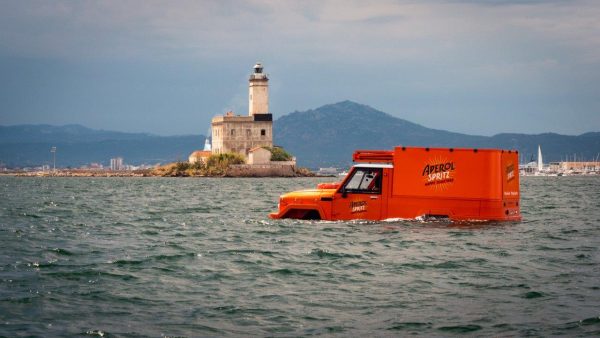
166,67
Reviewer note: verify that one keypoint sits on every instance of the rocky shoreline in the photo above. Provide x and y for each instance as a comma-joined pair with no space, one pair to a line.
82,173
233,172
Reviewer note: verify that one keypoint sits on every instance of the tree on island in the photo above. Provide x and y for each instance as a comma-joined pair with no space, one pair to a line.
279,154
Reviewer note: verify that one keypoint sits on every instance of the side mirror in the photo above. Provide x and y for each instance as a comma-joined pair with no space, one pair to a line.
344,193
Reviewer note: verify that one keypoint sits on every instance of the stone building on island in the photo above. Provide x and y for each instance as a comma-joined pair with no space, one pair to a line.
239,134
259,155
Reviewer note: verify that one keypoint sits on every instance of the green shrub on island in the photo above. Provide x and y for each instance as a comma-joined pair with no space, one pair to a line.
279,154
225,160
216,165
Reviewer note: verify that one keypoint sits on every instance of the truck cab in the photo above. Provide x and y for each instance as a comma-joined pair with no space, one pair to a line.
363,194
359,196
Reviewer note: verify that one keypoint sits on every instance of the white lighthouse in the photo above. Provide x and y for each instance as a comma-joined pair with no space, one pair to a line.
258,97
239,134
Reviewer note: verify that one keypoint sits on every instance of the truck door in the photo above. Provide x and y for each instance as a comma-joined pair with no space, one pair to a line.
360,196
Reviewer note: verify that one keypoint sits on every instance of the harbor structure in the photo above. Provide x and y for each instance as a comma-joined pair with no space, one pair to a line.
239,134
563,168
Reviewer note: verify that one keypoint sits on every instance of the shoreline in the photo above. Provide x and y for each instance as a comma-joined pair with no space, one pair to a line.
143,173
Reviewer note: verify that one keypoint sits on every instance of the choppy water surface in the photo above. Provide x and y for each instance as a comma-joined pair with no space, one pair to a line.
199,257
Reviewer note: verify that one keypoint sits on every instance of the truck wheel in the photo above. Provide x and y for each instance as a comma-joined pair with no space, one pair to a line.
312,215
303,214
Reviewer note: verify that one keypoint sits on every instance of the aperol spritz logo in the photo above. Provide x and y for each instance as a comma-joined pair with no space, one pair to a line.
438,173
510,172
358,206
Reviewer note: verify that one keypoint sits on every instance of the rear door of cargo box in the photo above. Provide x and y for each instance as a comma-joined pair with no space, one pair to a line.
510,174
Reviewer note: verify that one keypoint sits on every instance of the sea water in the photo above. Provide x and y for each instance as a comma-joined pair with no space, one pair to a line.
131,257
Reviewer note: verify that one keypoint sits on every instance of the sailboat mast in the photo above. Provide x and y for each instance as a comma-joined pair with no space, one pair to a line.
540,164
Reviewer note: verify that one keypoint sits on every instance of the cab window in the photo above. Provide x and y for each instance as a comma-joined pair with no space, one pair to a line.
364,180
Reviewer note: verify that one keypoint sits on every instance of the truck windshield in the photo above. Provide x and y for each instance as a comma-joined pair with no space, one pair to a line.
364,180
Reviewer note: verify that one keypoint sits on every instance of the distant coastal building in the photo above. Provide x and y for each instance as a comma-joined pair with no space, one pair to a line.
239,134
588,166
329,171
116,163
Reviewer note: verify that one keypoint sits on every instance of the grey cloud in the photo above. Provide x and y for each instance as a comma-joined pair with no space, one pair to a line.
511,2
414,54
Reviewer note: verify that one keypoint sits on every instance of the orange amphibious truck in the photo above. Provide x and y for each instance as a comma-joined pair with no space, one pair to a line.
412,182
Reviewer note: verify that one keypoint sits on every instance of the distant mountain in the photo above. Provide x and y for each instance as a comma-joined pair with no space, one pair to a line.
29,145
329,135
71,133
325,136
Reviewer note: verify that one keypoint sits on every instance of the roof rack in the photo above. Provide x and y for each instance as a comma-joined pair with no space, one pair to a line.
373,156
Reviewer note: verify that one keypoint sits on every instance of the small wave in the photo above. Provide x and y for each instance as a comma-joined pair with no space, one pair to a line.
85,274
173,257
590,321
502,253
580,323
460,328
125,262
418,266
286,272
311,318
217,276
31,215
447,265
157,258
456,234
397,220
570,231
231,310
98,333
163,269
248,251
63,252
532,294
321,253
409,326
327,330
549,248
47,264
23,300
